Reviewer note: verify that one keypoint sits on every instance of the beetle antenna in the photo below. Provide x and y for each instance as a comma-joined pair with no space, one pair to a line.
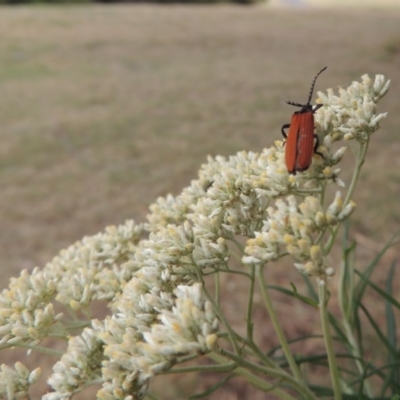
313,84
292,103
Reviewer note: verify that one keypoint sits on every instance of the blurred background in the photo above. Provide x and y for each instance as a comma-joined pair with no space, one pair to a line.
105,107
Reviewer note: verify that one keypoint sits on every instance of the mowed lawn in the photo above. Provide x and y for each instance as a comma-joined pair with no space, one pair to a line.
104,108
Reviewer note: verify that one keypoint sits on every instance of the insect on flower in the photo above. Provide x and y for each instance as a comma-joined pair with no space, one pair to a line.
300,139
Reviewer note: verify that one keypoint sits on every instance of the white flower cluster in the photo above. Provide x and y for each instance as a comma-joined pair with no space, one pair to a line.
86,271
96,267
352,114
229,198
293,228
229,190
180,249
26,312
79,367
154,286
154,326
15,382
162,314
297,229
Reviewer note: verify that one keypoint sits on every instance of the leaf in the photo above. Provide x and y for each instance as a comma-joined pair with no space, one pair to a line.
295,294
378,330
211,389
392,378
361,285
346,282
384,294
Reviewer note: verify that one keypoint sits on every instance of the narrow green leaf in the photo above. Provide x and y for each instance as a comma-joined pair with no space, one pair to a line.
392,377
381,374
390,318
384,294
304,299
378,330
312,293
298,339
346,281
347,299
336,325
295,294
211,389
361,285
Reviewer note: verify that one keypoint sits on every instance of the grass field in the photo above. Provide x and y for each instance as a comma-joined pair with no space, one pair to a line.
104,108
335,3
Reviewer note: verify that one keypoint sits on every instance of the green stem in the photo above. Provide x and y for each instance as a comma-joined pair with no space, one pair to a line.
355,351
237,243
276,373
222,318
249,311
230,271
152,396
359,163
323,308
357,170
263,357
216,308
279,331
217,290
75,324
254,379
40,349
202,368
277,325
252,349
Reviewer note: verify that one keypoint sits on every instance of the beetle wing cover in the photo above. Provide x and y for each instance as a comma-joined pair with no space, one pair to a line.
300,142
305,141
291,144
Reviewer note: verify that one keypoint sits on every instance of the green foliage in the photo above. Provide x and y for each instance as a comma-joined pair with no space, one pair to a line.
358,370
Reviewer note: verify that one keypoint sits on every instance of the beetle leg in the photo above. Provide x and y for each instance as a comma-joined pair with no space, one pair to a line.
317,107
316,146
283,130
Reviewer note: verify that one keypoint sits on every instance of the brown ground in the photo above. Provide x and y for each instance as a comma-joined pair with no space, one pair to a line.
104,108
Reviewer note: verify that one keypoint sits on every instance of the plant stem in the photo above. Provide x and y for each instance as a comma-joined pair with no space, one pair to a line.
355,351
217,309
278,329
202,368
249,311
40,349
322,292
276,324
217,289
254,379
274,372
359,163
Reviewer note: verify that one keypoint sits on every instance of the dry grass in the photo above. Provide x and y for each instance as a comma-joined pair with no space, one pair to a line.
104,108
335,3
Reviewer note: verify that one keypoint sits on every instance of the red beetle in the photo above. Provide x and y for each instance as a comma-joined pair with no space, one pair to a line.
300,139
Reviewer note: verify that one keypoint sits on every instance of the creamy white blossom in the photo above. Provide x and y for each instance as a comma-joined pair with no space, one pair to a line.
153,281
26,312
295,228
147,336
353,113
96,267
90,269
78,367
15,382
